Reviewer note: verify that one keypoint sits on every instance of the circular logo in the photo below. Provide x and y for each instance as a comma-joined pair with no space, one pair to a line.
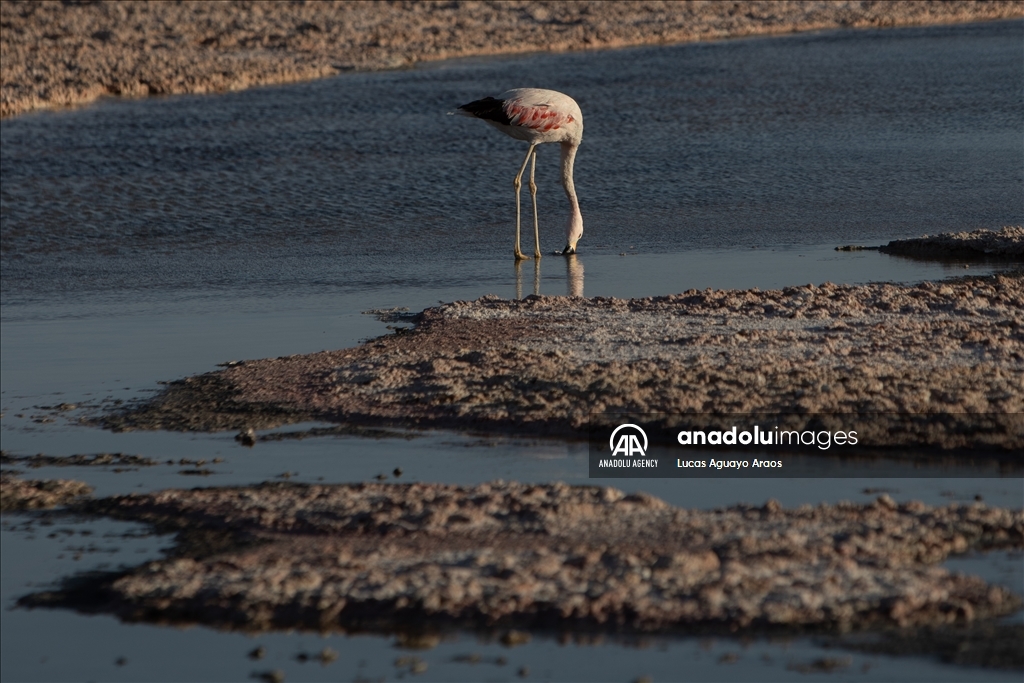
628,444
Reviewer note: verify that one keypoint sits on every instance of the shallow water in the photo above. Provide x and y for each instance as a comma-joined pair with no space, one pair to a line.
148,240
362,181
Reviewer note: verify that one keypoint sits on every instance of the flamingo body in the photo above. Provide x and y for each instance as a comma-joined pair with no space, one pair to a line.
538,116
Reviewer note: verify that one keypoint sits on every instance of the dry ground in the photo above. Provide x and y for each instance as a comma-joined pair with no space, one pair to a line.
56,54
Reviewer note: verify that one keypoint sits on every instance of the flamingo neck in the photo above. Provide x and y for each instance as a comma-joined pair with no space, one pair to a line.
568,159
574,226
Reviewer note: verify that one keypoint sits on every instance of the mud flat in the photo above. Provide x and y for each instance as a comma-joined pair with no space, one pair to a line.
1007,243
54,54
381,557
115,460
546,365
38,494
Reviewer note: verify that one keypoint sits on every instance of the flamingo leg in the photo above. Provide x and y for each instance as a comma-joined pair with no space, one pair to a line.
518,183
533,195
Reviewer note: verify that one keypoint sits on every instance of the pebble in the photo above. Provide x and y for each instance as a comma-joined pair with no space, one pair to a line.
246,437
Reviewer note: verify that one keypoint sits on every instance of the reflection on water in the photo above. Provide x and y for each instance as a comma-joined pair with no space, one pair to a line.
519,277
573,275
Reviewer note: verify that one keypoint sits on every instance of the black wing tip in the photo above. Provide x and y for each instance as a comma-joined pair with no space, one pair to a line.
488,109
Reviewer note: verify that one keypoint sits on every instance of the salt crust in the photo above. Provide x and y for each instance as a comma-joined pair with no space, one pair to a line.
56,54
379,556
545,365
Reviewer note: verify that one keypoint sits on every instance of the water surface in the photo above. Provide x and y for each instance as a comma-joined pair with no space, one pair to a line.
363,182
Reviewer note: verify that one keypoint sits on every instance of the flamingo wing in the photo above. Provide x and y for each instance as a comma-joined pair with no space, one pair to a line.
539,117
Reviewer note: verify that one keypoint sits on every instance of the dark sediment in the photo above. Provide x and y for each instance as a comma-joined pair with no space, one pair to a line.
204,403
986,644
77,460
1005,244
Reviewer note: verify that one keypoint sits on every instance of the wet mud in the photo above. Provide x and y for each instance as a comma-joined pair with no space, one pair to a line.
116,460
989,644
1005,244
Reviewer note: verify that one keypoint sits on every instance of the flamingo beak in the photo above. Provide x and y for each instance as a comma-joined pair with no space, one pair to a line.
569,249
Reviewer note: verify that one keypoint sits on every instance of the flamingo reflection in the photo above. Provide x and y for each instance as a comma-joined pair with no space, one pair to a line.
573,275
519,278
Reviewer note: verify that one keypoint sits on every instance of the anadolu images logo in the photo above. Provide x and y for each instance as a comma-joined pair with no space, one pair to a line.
628,443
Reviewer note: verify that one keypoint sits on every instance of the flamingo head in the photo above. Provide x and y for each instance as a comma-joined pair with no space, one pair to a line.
573,232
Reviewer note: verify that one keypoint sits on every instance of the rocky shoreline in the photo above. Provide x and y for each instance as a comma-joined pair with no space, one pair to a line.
56,54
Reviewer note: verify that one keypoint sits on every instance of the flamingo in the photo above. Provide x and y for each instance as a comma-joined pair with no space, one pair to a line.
538,116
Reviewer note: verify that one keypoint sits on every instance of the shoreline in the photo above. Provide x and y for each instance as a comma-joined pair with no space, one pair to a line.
546,365
56,56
